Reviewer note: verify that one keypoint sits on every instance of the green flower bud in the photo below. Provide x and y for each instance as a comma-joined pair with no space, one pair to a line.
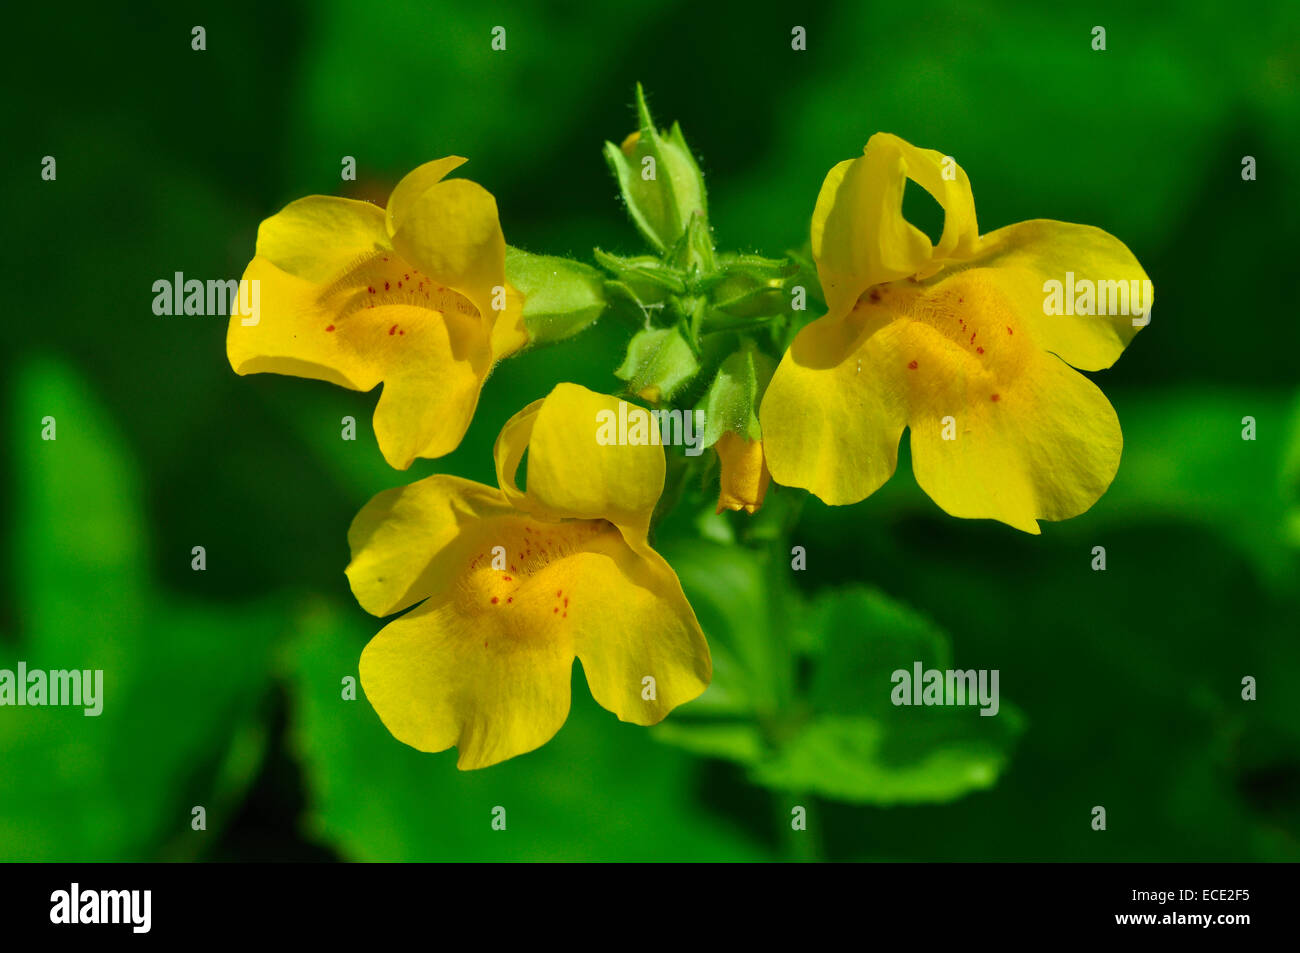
659,179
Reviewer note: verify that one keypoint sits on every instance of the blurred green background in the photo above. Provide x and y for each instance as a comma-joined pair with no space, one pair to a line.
1122,687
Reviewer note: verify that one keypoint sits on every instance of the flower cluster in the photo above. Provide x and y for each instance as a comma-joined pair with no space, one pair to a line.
948,339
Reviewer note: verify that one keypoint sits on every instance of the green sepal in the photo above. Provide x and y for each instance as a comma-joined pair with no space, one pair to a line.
658,364
561,297
732,400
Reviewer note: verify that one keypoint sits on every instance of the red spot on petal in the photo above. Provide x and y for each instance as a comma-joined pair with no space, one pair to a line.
399,284
371,289
980,350
558,593
566,603
385,286
330,328
393,329
1009,331
556,609
912,366
995,397
494,600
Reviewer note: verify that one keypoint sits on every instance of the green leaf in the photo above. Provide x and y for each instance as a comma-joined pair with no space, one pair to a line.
726,587
1291,477
864,761
859,746
658,364
845,739
182,682
561,297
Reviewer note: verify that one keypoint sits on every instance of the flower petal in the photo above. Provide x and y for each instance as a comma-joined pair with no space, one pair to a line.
413,185
451,673
1029,254
430,395
1046,445
859,235
402,540
631,622
294,335
509,449
452,230
571,474
319,236
301,252
836,407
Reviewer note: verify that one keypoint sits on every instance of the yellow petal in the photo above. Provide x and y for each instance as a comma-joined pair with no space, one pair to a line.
835,409
509,450
571,473
509,333
488,682
430,395
1046,448
640,645
301,252
402,540
319,237
413,185
744,477
296,334
1030,254
451,230
859,235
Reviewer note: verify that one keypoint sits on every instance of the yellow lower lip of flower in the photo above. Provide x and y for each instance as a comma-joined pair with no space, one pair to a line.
510,592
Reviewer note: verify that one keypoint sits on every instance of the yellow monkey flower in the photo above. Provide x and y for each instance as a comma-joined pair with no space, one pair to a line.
970,343
413,295
514,584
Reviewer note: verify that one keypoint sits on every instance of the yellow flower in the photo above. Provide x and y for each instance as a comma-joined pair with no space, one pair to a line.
414,296
744,475
954,342
515,584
